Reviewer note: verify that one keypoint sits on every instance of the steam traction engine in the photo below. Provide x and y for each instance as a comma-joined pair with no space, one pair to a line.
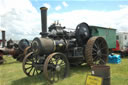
18,51
57,49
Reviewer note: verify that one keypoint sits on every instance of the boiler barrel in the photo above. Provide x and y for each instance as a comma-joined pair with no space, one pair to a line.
43,45
46,45
7,51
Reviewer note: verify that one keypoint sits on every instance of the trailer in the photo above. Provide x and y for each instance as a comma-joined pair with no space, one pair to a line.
122,37
17,50
121,44
109,34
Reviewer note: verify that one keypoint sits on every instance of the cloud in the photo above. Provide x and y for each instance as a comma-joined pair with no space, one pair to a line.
123,6
114,19
36,0
58,8
47,5
65,4
22,20
19,19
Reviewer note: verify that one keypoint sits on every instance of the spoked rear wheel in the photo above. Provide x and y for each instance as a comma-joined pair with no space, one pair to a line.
56,67
30,65
96,51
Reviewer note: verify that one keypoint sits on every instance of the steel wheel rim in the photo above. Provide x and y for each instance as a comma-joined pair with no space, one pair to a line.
27,50
96,51
28,65
56,67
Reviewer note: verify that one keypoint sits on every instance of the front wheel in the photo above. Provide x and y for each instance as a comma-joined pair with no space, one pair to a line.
31,64
56,67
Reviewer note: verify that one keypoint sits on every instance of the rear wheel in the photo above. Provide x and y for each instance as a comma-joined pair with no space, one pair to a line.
96,51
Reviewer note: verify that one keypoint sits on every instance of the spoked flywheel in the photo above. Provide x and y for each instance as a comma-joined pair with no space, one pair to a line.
82,33
96,51
56,67
32,64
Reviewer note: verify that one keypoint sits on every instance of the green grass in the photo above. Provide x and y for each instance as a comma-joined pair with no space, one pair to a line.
11,73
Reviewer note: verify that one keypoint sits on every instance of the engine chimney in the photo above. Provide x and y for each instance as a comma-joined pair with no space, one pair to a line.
3,38
44,21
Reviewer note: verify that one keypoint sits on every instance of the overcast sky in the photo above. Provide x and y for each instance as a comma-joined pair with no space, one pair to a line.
21,18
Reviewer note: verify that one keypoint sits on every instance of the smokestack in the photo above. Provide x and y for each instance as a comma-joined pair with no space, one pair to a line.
3,38
44,20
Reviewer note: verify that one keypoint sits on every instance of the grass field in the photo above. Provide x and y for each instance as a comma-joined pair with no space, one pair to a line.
11,73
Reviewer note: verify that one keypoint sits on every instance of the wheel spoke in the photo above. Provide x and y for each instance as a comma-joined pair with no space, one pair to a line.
102,60
53,76
30,70
57,75
98,58
57,59
37,72
61,63
101,43
62,71
36,59
94,49
30,60
102,48
57,63
94,54
95,58
34,72
28,67
28,63
53,61
96,45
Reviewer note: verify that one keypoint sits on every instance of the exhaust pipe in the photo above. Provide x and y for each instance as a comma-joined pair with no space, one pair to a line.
44,21
3,38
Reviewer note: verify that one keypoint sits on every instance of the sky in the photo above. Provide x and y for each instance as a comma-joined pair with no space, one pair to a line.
21,18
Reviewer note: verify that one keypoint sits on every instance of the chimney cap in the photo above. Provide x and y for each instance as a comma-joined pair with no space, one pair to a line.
43,8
